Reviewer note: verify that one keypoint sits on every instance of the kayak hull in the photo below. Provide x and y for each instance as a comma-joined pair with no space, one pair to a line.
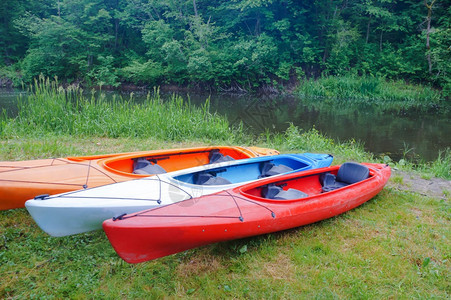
234,214
87,209
23,180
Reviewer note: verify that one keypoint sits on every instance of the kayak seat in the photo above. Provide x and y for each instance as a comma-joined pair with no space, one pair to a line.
270,169
348,173
217,157
143,166
210,179
277,193
327,179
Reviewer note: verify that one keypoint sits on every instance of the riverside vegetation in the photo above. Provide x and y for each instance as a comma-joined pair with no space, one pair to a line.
395,245
386,94
229,45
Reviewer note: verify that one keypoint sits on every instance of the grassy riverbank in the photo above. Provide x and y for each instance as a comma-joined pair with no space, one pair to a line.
388,94
396,245
52,109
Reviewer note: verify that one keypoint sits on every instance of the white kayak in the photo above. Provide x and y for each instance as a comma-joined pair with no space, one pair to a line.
85,210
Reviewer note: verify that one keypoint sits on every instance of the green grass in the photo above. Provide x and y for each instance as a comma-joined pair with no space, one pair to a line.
366,90
20,148
397,179
441,167
397,245
52,109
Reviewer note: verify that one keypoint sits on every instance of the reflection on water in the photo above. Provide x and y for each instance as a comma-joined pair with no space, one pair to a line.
382,132
391,133
8,100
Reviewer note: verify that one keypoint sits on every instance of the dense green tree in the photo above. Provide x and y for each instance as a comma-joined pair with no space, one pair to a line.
13,44
55,47
223,43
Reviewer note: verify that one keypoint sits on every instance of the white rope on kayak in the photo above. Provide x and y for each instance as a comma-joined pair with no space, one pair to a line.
73,194
227,194
57,183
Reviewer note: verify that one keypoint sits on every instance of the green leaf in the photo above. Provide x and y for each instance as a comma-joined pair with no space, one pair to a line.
426,262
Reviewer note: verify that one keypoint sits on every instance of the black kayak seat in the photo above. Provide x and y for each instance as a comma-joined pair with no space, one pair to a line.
143,166
278,193
270,169
210,179
217,157
347,174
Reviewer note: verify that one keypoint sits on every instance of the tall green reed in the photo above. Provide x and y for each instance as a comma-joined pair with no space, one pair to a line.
49,108
441,167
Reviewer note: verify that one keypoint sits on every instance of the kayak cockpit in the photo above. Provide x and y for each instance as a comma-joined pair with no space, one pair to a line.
145,164
306,186
243,172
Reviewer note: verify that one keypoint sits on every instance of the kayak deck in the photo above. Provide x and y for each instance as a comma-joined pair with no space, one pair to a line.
23,180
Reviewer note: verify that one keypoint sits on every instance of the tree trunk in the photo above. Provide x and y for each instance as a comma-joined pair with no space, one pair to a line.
116,33
116,28
257,26
380,40
195,8
428,30
89,61
368,29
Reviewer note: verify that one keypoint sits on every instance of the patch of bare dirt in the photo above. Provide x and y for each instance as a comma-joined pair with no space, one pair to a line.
279,268
434,187
198,265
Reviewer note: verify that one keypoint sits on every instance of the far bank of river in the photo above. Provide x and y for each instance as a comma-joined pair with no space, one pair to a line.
419,135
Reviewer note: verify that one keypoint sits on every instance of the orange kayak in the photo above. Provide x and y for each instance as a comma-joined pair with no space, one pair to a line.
23,180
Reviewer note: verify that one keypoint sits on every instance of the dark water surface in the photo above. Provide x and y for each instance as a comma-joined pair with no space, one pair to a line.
8,100
421,134
392,133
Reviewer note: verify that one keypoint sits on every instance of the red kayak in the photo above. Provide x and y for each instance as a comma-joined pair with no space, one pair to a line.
268,205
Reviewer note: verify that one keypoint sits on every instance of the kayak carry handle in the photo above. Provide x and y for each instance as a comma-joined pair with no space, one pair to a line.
41,197
120,217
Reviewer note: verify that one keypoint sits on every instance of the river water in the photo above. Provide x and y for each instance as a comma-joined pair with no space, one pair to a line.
421,134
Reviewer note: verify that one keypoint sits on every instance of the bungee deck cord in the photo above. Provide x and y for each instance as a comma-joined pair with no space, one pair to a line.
222,194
